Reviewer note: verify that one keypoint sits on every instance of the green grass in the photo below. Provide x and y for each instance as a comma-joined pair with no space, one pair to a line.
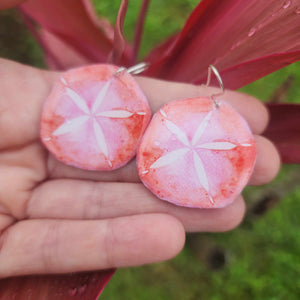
16,43
263,263
262,258
263,254
263,88
164,18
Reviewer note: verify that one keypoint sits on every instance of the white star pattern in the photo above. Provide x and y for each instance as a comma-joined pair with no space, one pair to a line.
192,146
92,115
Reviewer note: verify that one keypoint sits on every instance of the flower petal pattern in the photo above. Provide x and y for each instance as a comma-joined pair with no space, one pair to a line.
118,114
100,138
70,125
78,100
101,96
92,119
169,158
201,128
196,175
200,171
177,132
217,146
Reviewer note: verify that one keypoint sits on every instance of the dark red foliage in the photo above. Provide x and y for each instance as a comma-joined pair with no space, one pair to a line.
284,130
83,286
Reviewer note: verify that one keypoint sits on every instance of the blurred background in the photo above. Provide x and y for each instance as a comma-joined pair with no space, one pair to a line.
260,259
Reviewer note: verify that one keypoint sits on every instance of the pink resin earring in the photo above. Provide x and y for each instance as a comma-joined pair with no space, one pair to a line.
95,116
197,152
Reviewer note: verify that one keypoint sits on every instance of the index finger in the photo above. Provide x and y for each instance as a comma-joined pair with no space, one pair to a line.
159,93
63,246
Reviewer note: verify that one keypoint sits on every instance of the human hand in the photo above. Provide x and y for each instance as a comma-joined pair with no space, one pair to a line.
57,219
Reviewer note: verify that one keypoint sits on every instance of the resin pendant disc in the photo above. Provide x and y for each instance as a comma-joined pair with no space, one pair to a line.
94,119
194,154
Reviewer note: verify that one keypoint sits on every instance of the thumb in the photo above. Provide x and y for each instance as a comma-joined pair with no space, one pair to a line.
23,92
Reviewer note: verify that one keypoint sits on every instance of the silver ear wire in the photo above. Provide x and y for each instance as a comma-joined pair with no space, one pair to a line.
136,69
213,69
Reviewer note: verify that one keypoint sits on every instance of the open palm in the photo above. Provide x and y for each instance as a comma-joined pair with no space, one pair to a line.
56,219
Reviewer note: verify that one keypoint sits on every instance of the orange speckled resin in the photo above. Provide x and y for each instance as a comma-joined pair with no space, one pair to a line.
196,155
93,119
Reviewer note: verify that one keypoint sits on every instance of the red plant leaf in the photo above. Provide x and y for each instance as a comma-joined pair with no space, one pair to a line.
69,20
102,22
240,75
54,62
139,30
5,4
284,130
81,286
229,33
55,47
75,25
161,49
119,40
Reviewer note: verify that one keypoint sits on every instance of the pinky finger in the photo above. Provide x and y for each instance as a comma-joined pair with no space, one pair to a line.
50,246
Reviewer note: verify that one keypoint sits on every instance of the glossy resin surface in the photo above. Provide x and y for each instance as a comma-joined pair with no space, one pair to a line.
93,119
194,154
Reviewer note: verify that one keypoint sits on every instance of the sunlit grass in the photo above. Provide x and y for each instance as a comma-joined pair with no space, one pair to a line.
262,263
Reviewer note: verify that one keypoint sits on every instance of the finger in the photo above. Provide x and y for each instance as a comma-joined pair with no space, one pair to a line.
20,170
57,169
160,92
23,92
266,167
267,162
49,246
5,221
75,199
165,92
21,81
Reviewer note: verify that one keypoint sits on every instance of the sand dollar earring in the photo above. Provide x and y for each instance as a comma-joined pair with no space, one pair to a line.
95,116
197,152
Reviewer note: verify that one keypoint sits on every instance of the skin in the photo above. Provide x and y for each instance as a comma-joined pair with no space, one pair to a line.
56,219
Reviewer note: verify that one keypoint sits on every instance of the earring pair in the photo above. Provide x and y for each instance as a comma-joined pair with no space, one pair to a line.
196,152
95,116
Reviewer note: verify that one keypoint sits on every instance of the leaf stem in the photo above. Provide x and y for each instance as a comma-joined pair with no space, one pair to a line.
139,31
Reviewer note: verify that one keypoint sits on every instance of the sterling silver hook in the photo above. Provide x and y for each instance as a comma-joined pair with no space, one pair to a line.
136,69
213,69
